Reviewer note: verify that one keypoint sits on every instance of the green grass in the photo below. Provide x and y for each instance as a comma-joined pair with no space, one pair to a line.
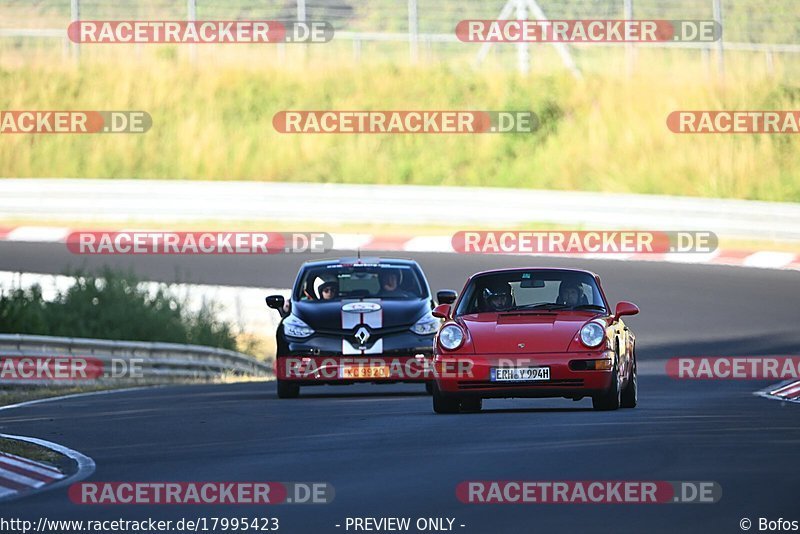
32,451
214,122
112,305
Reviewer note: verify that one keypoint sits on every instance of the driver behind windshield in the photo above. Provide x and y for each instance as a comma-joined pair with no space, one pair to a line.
326,289
497,297
390,280
569,294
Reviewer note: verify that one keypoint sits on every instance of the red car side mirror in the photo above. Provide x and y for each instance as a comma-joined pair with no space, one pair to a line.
625,308
442,311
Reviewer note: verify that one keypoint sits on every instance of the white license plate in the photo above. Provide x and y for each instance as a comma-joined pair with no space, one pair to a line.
520,374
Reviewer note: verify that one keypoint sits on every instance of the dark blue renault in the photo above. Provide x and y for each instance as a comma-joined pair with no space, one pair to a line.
355,320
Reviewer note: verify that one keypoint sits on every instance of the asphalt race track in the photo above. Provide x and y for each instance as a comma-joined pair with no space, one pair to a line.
388,455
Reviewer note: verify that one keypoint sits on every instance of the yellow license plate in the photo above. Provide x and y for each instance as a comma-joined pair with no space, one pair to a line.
356,371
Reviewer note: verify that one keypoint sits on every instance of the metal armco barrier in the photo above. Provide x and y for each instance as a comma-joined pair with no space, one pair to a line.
130,361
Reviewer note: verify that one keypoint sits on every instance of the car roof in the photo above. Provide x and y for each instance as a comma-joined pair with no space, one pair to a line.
517,269
355,260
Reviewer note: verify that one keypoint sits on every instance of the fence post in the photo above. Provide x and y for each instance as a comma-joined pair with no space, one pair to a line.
301,17
770,63
413,31
523,48
629,50
192,17
717,9
75,14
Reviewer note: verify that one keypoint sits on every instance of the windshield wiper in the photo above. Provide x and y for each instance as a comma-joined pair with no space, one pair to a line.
540,306
589,307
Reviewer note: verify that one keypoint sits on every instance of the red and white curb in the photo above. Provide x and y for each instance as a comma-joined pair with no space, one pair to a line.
20,477
764,259
786,391
443,243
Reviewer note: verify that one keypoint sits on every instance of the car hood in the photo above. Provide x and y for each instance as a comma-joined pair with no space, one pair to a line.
503,333
329,316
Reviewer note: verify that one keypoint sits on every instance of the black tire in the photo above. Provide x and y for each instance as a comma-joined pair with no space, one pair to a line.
471,404
442,404
429,387
610,399
288,390
630,395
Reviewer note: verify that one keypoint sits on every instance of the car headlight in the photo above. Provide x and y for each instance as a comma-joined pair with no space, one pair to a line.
451,337
295,327
592,334
426,326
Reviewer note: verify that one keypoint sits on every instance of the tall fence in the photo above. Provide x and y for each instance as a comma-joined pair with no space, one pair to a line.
426,28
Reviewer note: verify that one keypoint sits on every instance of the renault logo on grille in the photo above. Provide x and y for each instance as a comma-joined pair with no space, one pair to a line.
362,335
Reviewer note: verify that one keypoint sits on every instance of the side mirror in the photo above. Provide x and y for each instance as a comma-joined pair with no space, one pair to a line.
442,311
625,308
446,296
275,302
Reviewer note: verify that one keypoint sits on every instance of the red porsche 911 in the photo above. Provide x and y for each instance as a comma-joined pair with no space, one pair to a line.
533,332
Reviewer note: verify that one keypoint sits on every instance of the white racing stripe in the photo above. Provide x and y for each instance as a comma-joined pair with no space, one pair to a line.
372,319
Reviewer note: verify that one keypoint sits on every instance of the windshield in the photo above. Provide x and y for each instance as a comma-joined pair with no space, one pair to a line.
535,289
337,282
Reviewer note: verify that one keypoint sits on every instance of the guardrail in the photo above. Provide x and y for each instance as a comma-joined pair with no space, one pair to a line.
130,361
135,201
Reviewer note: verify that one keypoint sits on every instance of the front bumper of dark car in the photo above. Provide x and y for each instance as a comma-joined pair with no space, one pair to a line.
325,359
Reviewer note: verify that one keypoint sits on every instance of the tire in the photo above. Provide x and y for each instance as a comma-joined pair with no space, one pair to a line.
471,404
429,387
443,404
288,390
610,399
630,395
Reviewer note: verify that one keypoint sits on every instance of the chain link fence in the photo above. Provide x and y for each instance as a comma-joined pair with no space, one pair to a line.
424,30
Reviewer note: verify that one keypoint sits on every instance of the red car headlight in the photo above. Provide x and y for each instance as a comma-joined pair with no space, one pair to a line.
451,337
592,334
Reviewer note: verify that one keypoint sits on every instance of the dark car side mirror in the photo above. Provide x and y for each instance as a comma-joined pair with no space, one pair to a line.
625,308
277,302
446,296
442,311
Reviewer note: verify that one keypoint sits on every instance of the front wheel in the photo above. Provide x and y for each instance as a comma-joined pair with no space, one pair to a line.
471,404
287,390
630,395
443,404
610,399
